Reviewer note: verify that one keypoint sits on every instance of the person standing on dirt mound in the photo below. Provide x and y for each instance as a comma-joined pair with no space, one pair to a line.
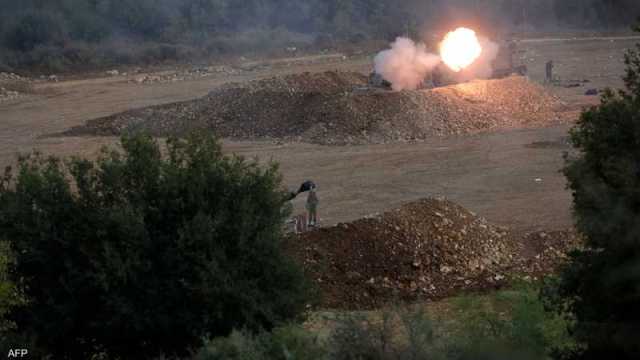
312,206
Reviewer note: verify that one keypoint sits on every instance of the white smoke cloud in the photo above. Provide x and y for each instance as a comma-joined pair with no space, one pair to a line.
406,64
482,68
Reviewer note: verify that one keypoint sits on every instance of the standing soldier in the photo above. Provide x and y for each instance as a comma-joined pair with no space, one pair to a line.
312,206
549,68
513,51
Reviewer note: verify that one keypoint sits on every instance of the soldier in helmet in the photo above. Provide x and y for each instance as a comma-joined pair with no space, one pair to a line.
311,218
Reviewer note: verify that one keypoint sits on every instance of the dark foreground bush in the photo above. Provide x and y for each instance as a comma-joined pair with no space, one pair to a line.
137,254
600,283
10,296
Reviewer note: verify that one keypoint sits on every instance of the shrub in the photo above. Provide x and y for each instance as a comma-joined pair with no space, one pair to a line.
10,296
512,323
396,334
507,325
600,284
138,254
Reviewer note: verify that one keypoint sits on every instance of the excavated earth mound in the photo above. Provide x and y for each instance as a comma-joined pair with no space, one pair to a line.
340,108
427,249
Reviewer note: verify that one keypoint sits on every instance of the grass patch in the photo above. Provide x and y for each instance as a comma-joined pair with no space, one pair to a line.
508,323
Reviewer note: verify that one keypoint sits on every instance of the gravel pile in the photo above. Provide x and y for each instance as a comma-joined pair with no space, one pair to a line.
8,94
11,77
544,251
338,108
12,86
427,249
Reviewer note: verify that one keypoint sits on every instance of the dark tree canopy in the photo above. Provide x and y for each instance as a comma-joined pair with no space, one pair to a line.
140,254
58,33
601,285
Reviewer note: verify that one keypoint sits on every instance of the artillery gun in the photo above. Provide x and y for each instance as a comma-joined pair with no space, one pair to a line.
502,66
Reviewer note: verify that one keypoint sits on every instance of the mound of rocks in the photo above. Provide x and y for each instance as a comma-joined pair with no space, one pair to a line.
8,94
428,249
337,108
11,77
12,86
544,251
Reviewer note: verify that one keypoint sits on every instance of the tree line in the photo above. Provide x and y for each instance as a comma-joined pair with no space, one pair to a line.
63,33
179,252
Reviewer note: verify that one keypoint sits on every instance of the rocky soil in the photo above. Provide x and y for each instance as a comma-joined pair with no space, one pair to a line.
427,249
13,86
5,77
8,94
338,108
181,75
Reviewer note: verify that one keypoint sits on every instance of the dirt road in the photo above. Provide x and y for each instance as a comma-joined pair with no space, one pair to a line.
510,178
58,106
500,176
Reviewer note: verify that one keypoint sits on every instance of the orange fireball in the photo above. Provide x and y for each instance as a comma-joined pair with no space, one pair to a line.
460,48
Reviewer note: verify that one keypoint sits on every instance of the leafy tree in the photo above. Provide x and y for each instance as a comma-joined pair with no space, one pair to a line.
34,29
10,296
49,33
601,285
9,293
144,18
138,254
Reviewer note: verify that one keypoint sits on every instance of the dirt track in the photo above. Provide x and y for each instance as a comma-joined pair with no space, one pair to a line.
493,174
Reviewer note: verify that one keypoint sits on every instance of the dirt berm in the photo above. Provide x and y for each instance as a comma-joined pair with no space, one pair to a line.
340,108
428,249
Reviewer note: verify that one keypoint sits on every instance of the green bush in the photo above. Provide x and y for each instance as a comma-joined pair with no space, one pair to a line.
397,334
600,284
138,254
507,325
10,296
511,323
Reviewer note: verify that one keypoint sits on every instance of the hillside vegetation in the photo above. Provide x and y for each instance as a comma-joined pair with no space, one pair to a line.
59,35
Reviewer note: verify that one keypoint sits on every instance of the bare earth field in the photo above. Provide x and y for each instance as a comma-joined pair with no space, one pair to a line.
512,177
